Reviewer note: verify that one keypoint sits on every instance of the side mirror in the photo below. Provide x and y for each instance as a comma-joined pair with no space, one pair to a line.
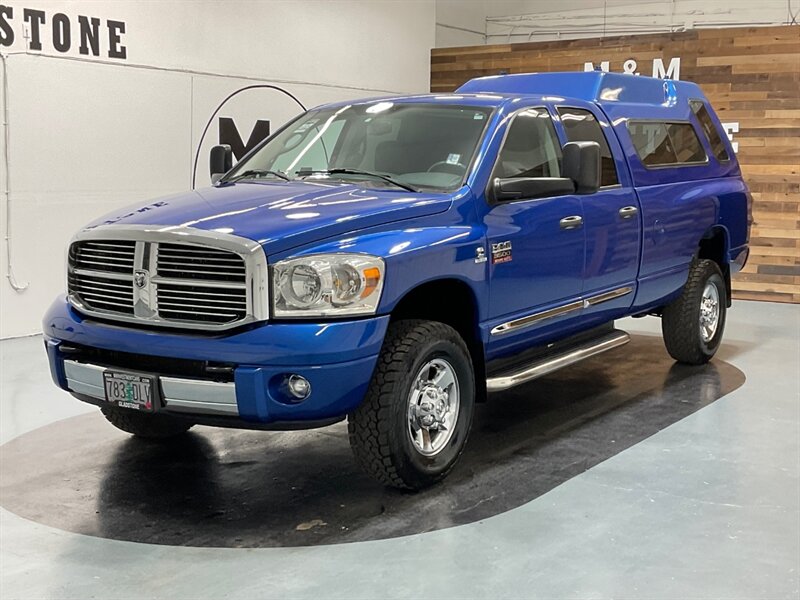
220,161
581,163
518,188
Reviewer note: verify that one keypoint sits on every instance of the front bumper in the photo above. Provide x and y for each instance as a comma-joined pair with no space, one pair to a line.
178,394
337,358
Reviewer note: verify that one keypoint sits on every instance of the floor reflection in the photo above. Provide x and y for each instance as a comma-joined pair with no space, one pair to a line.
217,487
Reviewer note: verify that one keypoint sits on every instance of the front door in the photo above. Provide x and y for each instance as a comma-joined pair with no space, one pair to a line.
536,246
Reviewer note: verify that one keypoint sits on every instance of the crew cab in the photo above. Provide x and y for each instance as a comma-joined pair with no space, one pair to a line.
393,261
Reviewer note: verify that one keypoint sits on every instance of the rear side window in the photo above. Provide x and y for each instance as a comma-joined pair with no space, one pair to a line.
581,126
531,148
661,144
714,138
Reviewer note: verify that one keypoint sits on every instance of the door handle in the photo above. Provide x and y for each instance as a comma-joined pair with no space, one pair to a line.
627,212
573,222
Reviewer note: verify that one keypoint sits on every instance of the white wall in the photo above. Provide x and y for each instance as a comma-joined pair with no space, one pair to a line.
460,23
570,19
87,135
504,21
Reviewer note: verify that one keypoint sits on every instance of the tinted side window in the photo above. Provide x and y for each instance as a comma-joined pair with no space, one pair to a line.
652,143
664,144
714,138
531,148
582,126
686,143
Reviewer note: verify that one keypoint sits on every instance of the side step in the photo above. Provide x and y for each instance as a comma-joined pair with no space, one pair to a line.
554,362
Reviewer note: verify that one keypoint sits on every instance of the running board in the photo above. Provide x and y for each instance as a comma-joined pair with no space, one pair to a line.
548,364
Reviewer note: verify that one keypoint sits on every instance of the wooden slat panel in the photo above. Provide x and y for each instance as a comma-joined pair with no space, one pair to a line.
750,74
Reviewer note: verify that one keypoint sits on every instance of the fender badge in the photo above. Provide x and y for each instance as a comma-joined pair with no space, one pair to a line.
480,255
501,252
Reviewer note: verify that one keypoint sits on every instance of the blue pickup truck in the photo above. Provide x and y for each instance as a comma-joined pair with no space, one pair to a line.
393,261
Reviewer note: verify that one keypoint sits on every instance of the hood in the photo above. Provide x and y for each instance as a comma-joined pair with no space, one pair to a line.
281,215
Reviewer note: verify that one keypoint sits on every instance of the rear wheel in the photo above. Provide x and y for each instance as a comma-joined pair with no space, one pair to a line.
414,422
693,323
154,426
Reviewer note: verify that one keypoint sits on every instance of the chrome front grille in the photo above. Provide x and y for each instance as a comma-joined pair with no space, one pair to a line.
203,281
102,293
201,303
107,255
180,261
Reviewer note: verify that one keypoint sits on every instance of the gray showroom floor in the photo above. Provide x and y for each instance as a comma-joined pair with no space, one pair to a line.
707,507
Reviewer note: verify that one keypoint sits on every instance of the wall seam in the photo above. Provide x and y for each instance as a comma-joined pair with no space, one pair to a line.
195,72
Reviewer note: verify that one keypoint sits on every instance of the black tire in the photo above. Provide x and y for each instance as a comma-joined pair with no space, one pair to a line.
378,429
680,320
152,426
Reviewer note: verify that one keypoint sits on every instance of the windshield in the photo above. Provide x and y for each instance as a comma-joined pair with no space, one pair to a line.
414,145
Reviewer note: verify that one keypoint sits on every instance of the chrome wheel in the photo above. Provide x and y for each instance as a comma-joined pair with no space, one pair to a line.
433,407
709,312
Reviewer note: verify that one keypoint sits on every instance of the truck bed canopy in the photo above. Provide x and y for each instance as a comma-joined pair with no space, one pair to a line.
593,86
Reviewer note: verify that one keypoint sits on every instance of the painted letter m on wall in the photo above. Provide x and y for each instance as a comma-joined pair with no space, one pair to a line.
228,134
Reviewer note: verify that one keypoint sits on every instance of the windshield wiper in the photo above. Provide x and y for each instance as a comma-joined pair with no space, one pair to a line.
385,178
255,172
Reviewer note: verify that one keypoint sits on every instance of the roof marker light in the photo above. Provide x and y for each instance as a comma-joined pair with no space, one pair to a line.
670,93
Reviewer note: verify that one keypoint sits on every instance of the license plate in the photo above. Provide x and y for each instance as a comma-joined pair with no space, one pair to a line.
130,390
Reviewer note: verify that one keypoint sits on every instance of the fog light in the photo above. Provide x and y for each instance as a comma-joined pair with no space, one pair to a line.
299,387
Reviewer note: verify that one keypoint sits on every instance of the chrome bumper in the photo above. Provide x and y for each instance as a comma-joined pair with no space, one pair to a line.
179,395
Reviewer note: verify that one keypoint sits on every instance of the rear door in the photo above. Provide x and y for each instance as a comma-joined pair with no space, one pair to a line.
612,217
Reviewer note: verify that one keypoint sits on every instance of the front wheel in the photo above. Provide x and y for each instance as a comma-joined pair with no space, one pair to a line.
414,421
693,323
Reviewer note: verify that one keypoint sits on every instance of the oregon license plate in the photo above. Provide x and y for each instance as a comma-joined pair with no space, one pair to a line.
130,390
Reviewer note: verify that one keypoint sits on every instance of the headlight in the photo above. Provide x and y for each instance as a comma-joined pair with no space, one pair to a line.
329,285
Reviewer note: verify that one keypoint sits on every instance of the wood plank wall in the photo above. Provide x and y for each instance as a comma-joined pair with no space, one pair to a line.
751,75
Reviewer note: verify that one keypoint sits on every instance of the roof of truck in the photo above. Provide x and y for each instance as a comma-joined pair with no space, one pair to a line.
592,86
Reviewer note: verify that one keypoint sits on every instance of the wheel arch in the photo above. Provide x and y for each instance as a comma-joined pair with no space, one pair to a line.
715,245
432,300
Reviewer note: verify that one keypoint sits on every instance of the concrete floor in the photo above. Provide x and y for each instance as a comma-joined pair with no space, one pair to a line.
707,507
